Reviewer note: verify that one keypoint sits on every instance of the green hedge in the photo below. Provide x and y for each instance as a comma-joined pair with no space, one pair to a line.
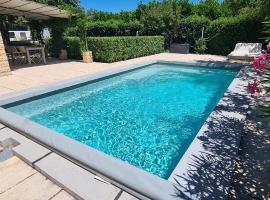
191,29
113,28
73,46
111,49
109,28
224,33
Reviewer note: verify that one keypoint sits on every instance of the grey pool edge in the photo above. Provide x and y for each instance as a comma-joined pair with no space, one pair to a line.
137,181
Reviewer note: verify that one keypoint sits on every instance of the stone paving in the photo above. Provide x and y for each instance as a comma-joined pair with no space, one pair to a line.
34,172
20,181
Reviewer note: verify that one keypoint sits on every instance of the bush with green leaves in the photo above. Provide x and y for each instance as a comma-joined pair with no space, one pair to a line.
111,49
191,29
74,47
224,33
57,29
200,46
114,28
211,9
160,18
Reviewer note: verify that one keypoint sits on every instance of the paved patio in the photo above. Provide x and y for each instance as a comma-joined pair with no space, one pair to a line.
20,181
24,77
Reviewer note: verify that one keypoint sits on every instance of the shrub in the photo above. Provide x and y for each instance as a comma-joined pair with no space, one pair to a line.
114,28
191,28
160,18
224,33
200,46
48,44
212,9
73,46
111,49
57,29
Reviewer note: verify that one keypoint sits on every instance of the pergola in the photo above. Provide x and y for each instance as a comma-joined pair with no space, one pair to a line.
30,10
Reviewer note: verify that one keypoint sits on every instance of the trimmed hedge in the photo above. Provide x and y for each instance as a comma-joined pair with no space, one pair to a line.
73,46
224,33
111,49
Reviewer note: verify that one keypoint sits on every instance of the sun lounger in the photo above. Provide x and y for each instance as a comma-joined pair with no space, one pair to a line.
246,51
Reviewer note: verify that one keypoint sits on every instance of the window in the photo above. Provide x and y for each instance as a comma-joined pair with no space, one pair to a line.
23,36
11,35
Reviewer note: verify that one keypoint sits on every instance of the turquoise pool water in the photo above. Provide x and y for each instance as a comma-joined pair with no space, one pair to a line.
147,117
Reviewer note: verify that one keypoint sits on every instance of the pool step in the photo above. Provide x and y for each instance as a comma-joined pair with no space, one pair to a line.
25,148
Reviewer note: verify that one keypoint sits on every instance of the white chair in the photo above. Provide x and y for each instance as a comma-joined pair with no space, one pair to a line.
35,56
246,51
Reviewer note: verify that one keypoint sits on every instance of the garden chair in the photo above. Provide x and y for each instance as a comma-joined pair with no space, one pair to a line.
246,51
15,55
35,56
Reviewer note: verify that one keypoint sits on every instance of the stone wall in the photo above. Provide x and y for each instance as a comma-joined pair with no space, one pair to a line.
4,65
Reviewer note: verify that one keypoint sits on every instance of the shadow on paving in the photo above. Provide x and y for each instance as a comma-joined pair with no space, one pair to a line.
210,174
50,61
252,171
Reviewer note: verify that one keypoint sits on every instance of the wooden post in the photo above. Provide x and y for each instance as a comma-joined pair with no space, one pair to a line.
4,65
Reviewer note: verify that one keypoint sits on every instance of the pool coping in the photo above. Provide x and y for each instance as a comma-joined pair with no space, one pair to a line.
137,181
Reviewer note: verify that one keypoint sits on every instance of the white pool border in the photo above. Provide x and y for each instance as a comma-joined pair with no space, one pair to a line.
137,181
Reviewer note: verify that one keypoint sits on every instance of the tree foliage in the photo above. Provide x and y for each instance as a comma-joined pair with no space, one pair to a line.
211,9
224,22
160,18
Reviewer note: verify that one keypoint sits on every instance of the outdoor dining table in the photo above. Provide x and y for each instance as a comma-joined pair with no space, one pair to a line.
41,49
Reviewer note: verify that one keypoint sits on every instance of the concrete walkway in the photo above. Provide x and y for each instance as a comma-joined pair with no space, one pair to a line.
24,77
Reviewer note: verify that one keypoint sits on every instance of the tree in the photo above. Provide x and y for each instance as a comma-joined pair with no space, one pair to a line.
186,8
237,6
95,15
82,22
160,18
208,8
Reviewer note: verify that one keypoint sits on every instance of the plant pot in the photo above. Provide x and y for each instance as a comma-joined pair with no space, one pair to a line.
179,48
87,56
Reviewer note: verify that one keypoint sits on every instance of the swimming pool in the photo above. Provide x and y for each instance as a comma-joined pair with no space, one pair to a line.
147,117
